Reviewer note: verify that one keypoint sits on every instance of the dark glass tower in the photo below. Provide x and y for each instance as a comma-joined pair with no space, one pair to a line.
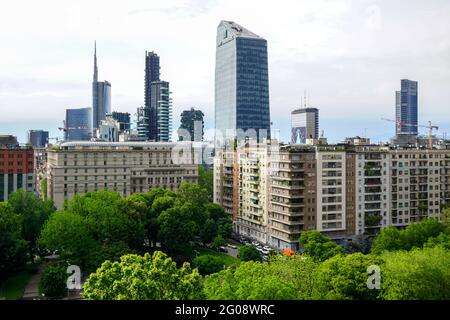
78,124
151,74
241,83
406,108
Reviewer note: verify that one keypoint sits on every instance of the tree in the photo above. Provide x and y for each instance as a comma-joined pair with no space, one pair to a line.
143,278
109,219
53,282
318,246
208,264
224,227
442,240
177,229
34,212
282,278
345,277
69,233
389,239
206,180
159,205
419,274
208,231
249,253
13,248
414,236
218,242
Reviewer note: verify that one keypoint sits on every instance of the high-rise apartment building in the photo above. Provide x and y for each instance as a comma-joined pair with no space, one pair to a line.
160,112
304,125
101,97
124,167
152,73
154,119
241,84
78,124
345,191
37,138
192,124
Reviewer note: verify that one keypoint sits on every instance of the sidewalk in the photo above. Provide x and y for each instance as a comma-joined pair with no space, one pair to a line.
32,289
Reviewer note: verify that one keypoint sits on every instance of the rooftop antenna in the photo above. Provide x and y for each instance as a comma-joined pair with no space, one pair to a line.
308,101
304,99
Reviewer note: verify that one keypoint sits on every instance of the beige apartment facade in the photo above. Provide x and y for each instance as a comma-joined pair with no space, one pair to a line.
344,191
124,167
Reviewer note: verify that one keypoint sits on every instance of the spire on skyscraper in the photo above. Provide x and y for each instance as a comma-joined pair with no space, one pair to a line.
95,62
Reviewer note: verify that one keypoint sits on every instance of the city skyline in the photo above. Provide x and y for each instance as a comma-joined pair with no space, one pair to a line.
342,53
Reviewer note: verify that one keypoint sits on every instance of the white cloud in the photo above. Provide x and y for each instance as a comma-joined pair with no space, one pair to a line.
349,55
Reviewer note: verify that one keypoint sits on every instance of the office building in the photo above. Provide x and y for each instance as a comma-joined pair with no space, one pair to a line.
241,85
78,124
192,125
123,118
124,167
304,125
37,138
101,97
16,169
406,112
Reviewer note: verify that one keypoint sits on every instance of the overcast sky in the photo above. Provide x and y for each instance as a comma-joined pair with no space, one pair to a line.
348,55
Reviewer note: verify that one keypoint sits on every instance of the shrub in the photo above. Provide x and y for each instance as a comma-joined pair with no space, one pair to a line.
208,264
53,282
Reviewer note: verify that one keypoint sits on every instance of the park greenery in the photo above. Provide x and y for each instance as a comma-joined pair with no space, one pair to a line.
148,277
128,248
102,225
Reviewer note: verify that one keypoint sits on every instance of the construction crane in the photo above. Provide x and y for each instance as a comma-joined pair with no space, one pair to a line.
430,127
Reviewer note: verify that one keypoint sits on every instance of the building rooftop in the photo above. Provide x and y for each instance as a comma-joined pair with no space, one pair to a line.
238,31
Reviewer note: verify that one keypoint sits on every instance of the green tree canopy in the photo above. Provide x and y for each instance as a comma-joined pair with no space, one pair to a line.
34,212
282,279
177,229
143,278
419,274
53,282
318,246
345,277
207,264
414,236
13,248
69,233
249,253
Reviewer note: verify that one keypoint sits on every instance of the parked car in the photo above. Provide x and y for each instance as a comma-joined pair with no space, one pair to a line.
232,246
222,249
267,248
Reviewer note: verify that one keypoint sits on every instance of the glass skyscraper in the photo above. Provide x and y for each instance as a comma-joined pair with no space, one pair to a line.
101,97
78,124
37,138
241,84
406,108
